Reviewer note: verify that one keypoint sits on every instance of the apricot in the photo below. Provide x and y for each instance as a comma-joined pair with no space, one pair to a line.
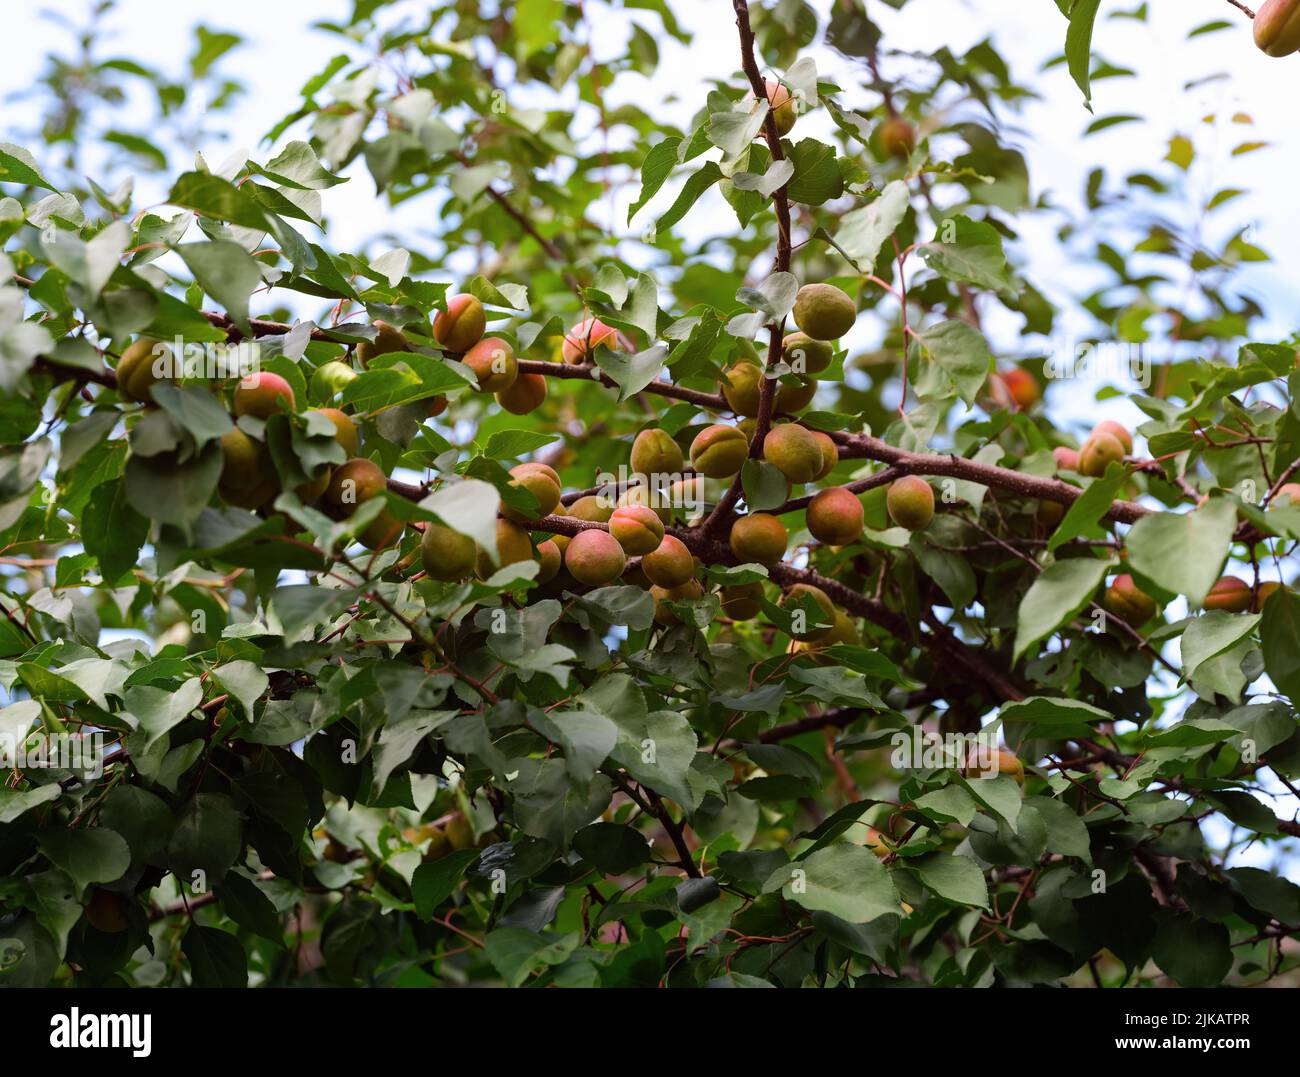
526,394
461,325
794,451
387,340
897,137
1022,387
1067,459
356,481
759,537
345,430
830,454
835,517
460,834
805,355
1125,600
1049,514
106,911
139,367
1266,591
550,556
312,490
989,764
689,591
794,598
595,558
545,469
824,312
538,482
381,532
670,564
437,405
248,479
635,576
911,502
782,105
656,452
261,394
795,396
718,451
593,508
637,528
1116,430
1277,27
1099,452
494,364
1231,594
651,496
447,555
740,387
513,546
581,342
330,379
1289,489
684,497
742,601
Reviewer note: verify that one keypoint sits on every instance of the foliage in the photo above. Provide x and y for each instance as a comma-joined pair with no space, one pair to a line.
324,764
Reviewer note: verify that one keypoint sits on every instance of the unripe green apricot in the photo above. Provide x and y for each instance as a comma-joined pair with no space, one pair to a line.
740,387
595,558
352,483
461,325
1049,514
387,340
1098,453
656,452
835,517
581,342
550,556
1231,594
742,601
650,496
1125,600
313,490
689,591
345,430
719,451
805,355
136,373
911,502
525,395
541,485
513,546
793,598
330,379
1119,432
824,312
670,564
447,555
262,394
795,396
248,478
1277,27
794,451
759,537
637,528
494,364
382,532
593,508
830,454
896,137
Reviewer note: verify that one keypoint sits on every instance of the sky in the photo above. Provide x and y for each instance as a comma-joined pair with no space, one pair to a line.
282,52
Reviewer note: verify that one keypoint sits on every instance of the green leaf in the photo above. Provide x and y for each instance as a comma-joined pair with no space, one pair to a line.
434,883
953,877
1078,45
1183,552
226,272
1213,633
112,530
1194,952
216,957
963,353
1280,632
969,252
842,879
469,507
87,855
1055,598
1082,516
212,196
863,231
516,953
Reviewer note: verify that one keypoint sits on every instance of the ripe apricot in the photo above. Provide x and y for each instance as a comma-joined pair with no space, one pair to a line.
494,364
794,451
656,452
1022,387
824,312
652,497
248,478
835,517
670,564
1277,27
795,596
1125,600
1067,459
513,546
595,558
106,911
989,764
550,556
782,105
911,502
830,454
897,137
1229,593
541,485
356,481
345,430
1099,452
683,592
741,601
525,395
718,451
387,340
262,394
138,369
637,528
592,507
461,325
759,537
581,342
